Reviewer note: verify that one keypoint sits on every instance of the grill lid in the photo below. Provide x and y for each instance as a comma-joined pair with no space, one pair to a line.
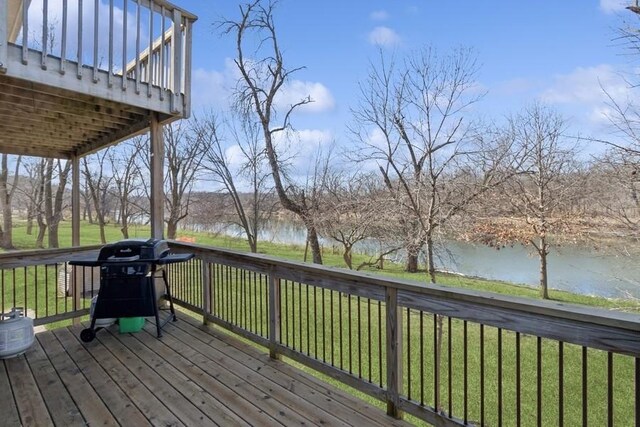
134,250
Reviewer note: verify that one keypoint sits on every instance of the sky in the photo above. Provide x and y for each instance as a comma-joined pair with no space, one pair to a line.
559,52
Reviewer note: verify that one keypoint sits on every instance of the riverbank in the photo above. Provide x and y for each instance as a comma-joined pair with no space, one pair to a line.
90,235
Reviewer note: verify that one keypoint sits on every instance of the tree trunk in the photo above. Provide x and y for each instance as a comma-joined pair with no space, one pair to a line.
314,243
348,256
6,195
542,252
29,225
30,215
413,252
42,229
89,213
412,263
172,229
53,235
253,243
7,225
431,269
125,225
103,237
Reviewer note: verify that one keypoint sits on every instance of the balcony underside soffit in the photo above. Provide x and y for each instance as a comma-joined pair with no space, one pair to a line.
38,120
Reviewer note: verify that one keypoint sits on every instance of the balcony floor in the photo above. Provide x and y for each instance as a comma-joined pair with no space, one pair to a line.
192,376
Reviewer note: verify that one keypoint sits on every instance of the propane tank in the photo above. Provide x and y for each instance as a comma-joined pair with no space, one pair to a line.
16,333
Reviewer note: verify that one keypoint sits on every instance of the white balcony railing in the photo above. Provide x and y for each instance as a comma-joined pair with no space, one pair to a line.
140,48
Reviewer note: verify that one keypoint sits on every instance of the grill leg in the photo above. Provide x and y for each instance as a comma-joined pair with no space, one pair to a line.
151,282
169,297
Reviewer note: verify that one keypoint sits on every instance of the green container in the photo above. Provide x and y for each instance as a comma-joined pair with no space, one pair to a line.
131,324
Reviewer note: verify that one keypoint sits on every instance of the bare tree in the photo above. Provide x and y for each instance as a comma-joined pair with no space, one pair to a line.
126,165
411,124
28,190
7,190
254,207
40,201
542,195
54,171
354,210
184,154
262,79
98,182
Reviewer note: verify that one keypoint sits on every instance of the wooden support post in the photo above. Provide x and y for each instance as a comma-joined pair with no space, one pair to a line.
75,201
157,182
206,289
274,316
394,353
76,282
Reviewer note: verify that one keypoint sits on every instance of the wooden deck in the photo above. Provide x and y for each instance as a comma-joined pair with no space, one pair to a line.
192,376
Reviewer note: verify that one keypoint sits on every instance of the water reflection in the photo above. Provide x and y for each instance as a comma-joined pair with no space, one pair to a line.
572,268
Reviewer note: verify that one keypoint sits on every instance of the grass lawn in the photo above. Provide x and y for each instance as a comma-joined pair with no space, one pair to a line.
338,330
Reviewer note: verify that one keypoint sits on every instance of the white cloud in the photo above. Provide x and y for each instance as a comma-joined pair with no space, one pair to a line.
301,146
384,36
379,15
584,85
298,90
215,88
212,88
313,137
601,115
613,6
235,156
583,92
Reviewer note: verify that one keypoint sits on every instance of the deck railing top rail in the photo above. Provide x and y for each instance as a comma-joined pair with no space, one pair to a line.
372,286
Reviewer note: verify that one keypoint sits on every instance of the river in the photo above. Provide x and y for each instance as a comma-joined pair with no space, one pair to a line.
579,269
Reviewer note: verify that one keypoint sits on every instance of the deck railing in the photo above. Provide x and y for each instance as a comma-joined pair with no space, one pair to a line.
45,285
136,47
443,355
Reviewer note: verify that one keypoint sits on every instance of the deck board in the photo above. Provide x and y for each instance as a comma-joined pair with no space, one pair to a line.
8,407
88,401
29,401
111,394
61,406
157,381
356,412
154,409
193,375
287,404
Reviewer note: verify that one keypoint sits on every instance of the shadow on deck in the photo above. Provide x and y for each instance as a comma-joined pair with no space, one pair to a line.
192,376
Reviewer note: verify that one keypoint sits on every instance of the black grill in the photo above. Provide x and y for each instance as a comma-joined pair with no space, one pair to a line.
127,272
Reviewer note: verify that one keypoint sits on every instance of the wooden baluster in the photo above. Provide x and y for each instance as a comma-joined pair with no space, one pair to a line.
110,68
45,33
63,45
125,23
79,52
25,31
96,40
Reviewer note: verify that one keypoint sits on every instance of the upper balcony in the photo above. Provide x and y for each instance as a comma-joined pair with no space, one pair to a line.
78,75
